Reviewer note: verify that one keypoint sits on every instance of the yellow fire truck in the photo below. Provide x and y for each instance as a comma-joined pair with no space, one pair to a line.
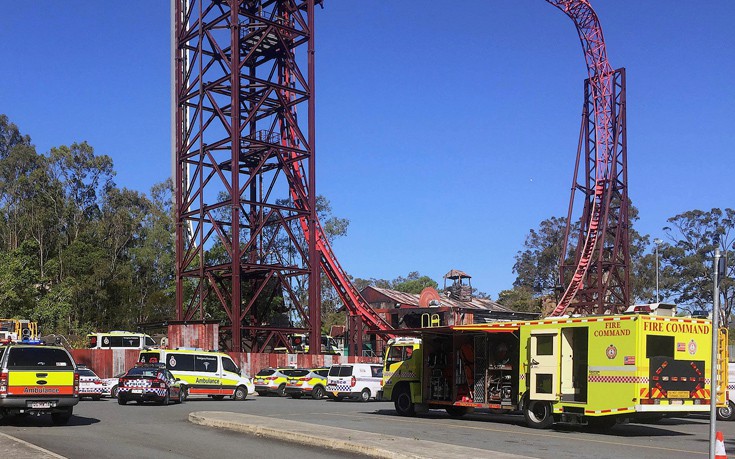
595,370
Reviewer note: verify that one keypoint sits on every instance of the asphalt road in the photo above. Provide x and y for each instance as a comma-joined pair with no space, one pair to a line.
105,429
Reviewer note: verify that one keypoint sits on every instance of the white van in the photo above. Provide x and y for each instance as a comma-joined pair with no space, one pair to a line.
354,380
209,373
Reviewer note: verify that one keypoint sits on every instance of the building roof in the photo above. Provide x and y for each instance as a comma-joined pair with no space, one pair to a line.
410,300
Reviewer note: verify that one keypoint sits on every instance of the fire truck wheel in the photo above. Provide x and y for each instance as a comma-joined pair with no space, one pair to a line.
457,411
538,414
404,405
728,413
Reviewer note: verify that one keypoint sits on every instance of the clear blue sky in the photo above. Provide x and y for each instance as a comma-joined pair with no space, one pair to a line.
444,133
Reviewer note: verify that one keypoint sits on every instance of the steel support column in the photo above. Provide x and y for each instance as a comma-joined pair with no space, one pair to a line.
245,170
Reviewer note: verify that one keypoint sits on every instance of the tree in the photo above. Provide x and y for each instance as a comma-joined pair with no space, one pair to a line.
10,136
537,266
520,299
687,259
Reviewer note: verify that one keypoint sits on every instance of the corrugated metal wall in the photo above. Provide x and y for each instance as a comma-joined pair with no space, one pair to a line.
108,363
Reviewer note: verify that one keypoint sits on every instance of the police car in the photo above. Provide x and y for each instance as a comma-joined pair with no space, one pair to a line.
361,381
90,385
38,379
304,381
150,382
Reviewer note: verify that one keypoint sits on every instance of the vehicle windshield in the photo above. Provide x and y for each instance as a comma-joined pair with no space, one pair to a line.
299,373
340,370
87,373
141,371
35,357
150,357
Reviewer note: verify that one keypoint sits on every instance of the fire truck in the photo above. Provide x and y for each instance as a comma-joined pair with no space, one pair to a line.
595,370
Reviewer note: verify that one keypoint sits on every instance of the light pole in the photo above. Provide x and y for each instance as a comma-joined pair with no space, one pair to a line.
658,242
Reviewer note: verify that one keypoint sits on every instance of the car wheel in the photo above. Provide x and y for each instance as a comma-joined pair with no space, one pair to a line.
317,393
121,400
281,391
166,398
403,404
365,395
241,393
62,418
113,392
182,395
727,413
538,414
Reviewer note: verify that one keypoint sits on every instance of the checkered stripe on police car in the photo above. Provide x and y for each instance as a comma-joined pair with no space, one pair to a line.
618,379
339,387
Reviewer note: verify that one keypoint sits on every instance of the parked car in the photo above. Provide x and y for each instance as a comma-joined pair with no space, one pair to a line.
38,379
110,385
150,382
90,385
305,381
357,380
272,381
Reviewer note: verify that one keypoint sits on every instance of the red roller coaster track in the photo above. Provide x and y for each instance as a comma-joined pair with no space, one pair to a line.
238,139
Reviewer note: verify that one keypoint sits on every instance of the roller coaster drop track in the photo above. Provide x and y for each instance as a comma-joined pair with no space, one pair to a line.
221,100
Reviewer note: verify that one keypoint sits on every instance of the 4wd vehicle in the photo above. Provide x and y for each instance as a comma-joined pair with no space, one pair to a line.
150,382
304,381
272,381
357,380
38,379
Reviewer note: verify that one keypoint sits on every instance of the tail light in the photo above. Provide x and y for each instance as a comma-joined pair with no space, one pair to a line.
381,382
4,383
353,383
76,383
271,378
304,379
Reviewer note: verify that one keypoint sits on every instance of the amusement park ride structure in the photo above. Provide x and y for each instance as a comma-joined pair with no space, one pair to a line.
249,246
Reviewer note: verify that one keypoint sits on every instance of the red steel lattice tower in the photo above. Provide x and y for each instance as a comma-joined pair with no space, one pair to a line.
241,255
249,244
596,277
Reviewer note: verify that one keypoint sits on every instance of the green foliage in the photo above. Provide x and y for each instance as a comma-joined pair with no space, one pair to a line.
520,299
687,257
76,252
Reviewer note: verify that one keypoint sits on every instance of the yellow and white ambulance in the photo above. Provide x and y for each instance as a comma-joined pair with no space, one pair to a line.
209,373
589,370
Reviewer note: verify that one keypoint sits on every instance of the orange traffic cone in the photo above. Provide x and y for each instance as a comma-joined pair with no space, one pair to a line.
720,447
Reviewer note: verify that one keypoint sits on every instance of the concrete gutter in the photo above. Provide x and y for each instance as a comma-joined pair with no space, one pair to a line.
338,439
16,448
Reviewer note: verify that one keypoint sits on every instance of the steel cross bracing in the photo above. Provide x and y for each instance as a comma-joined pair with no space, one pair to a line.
600,268
245,174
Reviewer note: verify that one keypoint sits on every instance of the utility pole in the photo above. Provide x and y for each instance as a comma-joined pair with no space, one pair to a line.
713,364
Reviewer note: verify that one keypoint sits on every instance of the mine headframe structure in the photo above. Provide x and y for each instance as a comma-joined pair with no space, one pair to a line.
240,255
595,259
249,245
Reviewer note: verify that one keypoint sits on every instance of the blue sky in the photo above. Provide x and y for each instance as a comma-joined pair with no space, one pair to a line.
443,134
